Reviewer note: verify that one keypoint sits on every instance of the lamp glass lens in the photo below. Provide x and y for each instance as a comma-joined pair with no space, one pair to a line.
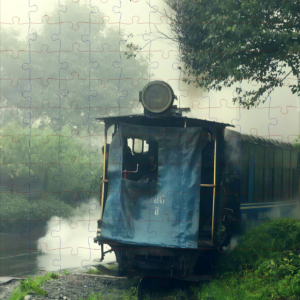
157,97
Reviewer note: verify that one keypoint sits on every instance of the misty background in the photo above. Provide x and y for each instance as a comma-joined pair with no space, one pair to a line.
63,66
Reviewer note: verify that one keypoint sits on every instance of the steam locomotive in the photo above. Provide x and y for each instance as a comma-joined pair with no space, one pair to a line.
176,189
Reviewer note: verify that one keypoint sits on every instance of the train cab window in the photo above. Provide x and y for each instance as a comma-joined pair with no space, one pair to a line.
146,147
138,146
140,160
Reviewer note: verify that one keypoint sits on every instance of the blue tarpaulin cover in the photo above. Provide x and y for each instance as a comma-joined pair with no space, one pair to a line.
163,213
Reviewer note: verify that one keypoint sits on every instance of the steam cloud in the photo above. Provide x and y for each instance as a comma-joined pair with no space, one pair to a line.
69,243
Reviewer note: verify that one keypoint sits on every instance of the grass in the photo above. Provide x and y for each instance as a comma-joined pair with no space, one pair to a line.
178,294
97,296
32,285
130,294
114,267
94,272
265,265
64,272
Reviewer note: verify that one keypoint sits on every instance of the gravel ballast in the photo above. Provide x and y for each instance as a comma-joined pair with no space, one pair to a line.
73,287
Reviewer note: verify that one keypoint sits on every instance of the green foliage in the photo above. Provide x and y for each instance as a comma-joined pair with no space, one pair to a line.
179,294
130,294
114,267
94,272
297,143
265,241
264,265
227,42
17,210
32,286
58,161
53,275
132,50
17,294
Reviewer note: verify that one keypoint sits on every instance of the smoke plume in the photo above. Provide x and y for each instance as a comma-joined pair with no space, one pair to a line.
69,243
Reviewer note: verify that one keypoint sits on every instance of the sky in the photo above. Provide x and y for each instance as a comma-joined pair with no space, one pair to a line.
278,117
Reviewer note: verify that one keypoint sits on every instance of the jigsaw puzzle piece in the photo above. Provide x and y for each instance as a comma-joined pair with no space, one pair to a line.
17,13
139,15
285,116
14,71
102,106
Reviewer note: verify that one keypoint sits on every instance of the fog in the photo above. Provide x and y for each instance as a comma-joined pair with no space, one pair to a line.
277,118
70,242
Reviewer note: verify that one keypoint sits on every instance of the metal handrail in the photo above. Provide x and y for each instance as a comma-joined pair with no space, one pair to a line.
214,191
125,171
103,180
137,168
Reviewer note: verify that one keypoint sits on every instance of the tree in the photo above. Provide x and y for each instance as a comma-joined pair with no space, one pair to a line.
297,143
226,42
61,78
74,73
59,163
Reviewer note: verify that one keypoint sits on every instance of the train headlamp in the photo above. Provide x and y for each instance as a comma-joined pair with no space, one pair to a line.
157,96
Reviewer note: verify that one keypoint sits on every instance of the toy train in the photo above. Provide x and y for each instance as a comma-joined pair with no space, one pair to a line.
175,189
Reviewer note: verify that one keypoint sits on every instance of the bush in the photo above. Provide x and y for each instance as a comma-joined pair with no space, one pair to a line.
56,161
264,265
262,242
17,211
